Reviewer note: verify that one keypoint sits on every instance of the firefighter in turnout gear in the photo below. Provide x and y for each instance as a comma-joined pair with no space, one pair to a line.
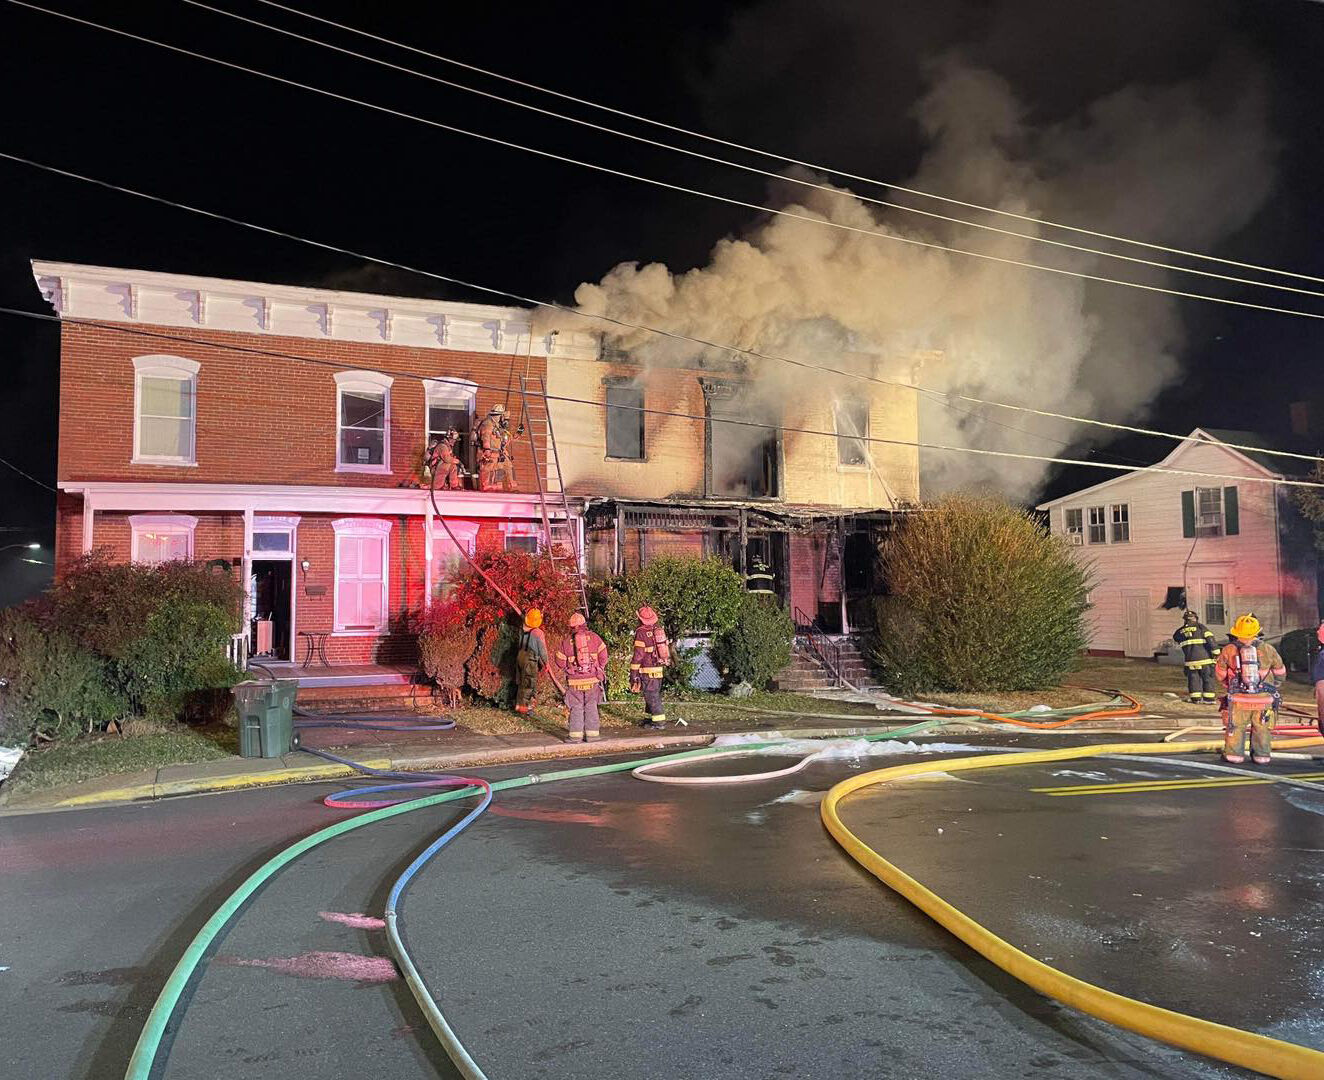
442,461
1200,649
652,654
582,658
1250,670
496,461
530,660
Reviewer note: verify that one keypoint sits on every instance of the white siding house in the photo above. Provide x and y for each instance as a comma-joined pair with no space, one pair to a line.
1233,545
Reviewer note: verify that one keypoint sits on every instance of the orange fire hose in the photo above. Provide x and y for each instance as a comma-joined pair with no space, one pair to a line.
1110,713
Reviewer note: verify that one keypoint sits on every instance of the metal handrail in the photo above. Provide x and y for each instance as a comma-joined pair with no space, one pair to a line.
827,650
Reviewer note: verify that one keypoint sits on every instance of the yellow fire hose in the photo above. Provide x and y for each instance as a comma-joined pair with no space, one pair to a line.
1261,1053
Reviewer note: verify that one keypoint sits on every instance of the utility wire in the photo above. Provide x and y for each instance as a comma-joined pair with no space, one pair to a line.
781,177
783,159
664,184
27,476
404,374
671,334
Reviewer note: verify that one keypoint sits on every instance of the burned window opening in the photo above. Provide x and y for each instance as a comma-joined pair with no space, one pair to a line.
741,461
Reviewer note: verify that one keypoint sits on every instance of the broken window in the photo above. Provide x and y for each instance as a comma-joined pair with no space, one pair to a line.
744,444
852,423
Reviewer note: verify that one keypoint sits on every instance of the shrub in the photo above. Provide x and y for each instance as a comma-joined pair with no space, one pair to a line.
981,597
162,629
445,644
757,646
491,669
689,595
531,581
54,687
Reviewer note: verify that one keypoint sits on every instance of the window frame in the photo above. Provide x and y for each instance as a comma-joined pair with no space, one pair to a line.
638,415
1113,522
466,533
444,392
1079,530
180,369
359,529
1205,586
862,439
162,524
364,382
1200,532
521,529
1091,525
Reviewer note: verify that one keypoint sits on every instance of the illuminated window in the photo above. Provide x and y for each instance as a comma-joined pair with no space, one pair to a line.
161,538
164,420
361,575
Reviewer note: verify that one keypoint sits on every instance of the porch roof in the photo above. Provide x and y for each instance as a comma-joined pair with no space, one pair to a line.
283,498
686,514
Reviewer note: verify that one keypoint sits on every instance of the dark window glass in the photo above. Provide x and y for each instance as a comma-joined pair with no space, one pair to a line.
625,422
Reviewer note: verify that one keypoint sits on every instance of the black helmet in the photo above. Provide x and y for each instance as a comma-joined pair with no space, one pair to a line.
1190,616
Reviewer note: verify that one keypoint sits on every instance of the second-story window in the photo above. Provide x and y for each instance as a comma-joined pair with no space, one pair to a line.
625,421
450,407
852,422
164,411
363,422
1098,533
1121,523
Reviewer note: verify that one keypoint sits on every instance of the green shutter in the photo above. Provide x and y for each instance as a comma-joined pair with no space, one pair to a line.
1188,513
1231,512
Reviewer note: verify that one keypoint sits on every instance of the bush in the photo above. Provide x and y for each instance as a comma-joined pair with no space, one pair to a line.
445,644
690,596
54,687
163,630
757,646
491,669
981,597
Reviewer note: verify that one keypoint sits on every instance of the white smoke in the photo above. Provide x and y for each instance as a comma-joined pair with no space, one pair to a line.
1185,164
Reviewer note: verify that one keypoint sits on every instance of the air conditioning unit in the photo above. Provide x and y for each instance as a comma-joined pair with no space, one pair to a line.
1076,539
1211,521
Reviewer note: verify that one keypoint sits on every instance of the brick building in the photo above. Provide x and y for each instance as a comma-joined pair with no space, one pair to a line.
280,431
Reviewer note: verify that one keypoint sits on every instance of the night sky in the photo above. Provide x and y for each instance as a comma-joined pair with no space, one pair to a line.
828,82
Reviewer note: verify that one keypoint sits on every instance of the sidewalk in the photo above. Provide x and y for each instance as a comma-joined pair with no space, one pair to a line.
460,750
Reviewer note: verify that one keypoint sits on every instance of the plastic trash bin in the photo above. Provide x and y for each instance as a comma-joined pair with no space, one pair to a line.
266,717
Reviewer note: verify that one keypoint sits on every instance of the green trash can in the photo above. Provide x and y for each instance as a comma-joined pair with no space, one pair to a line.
266,717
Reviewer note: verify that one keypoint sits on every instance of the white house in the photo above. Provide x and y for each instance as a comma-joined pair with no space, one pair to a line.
1232,545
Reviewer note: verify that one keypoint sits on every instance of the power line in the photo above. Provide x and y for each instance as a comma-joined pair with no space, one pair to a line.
784,159
667,185
27,476
550,305
781,177
396,372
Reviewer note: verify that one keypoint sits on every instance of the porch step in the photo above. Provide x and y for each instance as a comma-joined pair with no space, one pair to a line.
375,697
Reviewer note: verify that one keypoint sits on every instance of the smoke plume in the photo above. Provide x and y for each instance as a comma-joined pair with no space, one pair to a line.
1185,163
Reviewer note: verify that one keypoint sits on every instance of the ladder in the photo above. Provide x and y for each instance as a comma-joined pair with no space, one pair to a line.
560,538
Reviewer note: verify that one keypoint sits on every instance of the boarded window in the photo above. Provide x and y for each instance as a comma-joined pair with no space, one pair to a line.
625,422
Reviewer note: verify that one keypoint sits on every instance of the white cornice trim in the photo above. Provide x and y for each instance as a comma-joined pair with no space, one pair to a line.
291,499
146,297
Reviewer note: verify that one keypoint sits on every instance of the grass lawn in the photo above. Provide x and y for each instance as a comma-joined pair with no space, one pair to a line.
86,759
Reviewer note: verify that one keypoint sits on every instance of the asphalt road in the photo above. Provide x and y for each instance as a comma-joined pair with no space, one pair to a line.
608,927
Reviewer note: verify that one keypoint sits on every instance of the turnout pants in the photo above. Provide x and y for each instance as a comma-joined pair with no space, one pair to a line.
651,687
1201,684
1259,718
526,680
583,705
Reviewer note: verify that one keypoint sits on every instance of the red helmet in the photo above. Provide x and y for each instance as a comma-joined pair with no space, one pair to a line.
577,620
647,615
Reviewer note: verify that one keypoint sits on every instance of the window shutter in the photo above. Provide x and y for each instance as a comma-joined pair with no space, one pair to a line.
1231,512
1188,513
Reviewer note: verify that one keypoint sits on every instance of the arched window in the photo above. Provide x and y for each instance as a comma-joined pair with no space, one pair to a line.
363,422
165,410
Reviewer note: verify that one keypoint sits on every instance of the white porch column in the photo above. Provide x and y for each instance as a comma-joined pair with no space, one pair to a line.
427,554
248,567
89,514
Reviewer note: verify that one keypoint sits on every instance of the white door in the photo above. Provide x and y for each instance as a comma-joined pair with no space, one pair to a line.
1135,637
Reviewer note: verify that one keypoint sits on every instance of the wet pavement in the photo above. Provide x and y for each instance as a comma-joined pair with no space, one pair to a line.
609,927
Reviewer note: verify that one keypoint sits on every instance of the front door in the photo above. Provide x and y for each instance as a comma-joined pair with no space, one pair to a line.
272,623
1135,636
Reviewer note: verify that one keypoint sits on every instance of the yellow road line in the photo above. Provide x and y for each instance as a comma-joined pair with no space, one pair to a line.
1167,785
1273,1057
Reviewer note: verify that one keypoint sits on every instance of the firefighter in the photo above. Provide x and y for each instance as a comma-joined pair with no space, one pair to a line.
530,660
442,460
582,658
652,654
495,461
1249,669
1201,652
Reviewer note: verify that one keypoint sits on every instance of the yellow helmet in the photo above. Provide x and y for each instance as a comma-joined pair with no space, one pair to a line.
532,619
1246,628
